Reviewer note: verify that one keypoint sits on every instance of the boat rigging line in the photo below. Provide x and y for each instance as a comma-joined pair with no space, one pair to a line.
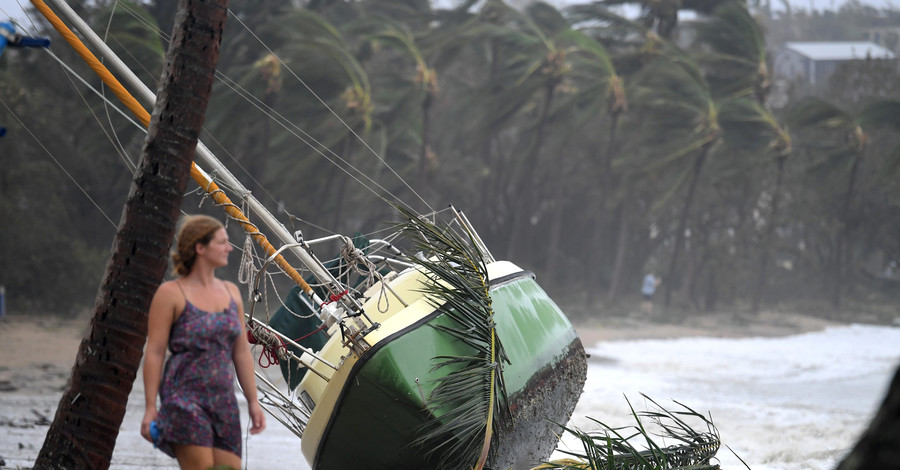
335,159
323,103
323,150
50,154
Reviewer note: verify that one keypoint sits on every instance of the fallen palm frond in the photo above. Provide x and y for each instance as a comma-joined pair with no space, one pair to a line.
471,398
614,449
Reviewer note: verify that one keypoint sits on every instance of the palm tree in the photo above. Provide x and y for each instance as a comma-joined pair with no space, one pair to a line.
840,139
422,85
599,87
534,67
780,148
737,66
686,127
84,430
288,92
736,62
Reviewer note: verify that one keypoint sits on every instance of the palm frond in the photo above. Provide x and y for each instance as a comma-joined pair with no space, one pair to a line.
612,448
470,400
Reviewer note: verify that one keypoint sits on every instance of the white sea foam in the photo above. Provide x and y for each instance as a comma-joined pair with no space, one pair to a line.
797,402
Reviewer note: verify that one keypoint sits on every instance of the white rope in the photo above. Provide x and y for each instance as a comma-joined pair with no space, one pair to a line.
354,258
247,269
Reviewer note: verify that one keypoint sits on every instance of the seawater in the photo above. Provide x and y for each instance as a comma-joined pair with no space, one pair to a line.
795,402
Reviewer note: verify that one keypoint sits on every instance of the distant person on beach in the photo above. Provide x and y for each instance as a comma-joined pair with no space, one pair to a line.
200,318
648,288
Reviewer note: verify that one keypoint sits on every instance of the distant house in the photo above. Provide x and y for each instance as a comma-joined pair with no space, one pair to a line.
814,62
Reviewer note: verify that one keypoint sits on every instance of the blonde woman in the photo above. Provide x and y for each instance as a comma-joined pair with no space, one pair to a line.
200,319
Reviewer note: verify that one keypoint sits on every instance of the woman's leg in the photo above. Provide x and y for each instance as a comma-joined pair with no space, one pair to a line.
194,457
227,459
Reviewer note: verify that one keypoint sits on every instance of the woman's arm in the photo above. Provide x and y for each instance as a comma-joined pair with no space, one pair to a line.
159,323
244,367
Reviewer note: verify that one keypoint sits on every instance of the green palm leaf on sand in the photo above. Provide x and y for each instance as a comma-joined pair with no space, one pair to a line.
615,448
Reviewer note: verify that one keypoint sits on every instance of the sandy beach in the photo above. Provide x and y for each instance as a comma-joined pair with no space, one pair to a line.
37,354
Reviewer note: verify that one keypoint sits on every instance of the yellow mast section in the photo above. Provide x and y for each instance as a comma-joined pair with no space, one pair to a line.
196,173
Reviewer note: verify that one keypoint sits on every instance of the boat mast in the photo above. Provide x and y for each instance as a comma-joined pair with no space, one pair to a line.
206,156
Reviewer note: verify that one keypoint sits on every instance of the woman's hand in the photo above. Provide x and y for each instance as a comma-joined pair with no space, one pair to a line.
257,418
149,417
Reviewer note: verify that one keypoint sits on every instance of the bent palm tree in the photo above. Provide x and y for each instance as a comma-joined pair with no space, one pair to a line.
840,139
603,87
678,93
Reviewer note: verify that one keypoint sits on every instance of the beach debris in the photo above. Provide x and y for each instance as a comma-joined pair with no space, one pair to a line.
41,419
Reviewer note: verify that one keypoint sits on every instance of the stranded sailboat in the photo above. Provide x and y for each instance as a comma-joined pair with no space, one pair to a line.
416,350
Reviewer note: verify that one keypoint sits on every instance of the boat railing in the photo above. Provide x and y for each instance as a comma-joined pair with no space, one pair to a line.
286,408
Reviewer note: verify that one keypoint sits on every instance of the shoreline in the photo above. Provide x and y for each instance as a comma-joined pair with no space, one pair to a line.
38,353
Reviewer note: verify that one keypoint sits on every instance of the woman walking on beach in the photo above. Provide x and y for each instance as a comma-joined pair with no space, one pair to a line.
200,318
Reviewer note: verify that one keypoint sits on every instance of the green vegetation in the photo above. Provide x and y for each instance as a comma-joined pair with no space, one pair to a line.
688,446
584,146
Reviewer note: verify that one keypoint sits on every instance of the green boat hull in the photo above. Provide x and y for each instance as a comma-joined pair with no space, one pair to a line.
387,389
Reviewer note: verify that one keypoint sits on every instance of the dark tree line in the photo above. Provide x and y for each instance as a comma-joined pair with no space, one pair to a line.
586,147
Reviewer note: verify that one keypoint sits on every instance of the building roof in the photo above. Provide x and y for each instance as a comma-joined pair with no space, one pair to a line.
845,50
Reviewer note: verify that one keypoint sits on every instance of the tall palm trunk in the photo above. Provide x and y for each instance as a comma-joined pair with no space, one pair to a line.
601,221
341,186
607,179
622,246
522,214
682,223
423,149
84,431
259,150
838,273
490,183
766,245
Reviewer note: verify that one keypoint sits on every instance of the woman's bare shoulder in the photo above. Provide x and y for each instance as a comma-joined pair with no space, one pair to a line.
233,289
168,290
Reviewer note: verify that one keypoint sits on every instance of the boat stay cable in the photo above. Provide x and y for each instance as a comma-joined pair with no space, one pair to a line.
323,150
330,110
50,154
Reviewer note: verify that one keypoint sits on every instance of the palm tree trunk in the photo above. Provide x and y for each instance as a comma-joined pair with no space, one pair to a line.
341,187
554,240
423,150
770,230
602,226
84,430
842,233
615,282
522,214
490,183
260,154
682,223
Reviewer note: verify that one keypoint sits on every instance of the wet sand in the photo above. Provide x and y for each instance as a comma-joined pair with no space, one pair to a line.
37,354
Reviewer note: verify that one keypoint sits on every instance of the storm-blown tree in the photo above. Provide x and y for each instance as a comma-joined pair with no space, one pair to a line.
838,141
86,425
